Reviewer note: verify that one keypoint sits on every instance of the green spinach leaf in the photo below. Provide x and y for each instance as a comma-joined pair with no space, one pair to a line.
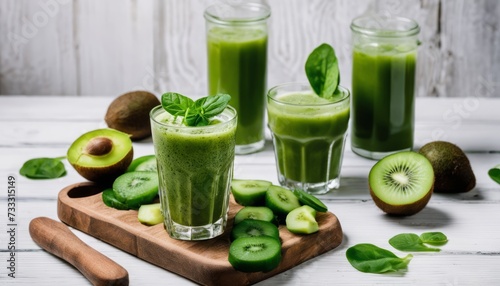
494,173
373,259
43,168
434,238
322,71
409,242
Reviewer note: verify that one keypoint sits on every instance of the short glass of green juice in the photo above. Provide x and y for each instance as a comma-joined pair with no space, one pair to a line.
383,84
236,36
195,169
308,135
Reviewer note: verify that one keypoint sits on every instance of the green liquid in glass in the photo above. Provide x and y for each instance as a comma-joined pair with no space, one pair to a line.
383,85
237,66
195,171
308,140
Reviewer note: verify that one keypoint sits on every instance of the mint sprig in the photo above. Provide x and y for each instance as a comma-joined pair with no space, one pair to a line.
194,113
322,70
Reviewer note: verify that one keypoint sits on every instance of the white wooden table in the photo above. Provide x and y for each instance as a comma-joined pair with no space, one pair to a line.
45,127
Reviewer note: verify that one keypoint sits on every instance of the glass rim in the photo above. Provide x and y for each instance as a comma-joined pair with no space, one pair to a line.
382,30
265,13
159,108
345,91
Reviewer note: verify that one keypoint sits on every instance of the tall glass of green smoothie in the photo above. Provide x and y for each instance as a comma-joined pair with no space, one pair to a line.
195,167
308,135
237,65
383,83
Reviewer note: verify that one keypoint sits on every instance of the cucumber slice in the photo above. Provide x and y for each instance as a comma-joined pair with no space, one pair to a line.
109,199
150,214
253,254
136,188
255,213
144,163
310,200
251,227
302,220
281,201
249,192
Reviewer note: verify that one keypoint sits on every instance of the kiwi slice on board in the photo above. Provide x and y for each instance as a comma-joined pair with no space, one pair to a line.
302,220
281,201
401,183
136,188
109,199
150,214
254,254
144,163
249,192
255,213
251,227
310,200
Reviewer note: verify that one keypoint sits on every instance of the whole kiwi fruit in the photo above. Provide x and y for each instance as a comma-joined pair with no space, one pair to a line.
129,113
451,167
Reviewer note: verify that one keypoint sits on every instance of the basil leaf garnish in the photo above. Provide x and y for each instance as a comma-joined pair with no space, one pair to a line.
195,113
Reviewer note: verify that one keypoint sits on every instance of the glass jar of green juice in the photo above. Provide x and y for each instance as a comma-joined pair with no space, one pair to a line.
383,83
237,65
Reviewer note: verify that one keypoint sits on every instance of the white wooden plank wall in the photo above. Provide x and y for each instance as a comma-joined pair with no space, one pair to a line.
92,47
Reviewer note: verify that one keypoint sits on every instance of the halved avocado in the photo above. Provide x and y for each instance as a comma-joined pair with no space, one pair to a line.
101,155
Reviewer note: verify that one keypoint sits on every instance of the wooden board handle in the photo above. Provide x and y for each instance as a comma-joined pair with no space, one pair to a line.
56,238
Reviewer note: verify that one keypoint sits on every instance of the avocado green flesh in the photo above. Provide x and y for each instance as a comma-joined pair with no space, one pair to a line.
121,147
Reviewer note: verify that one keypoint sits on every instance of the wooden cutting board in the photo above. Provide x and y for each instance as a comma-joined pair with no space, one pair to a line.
204,262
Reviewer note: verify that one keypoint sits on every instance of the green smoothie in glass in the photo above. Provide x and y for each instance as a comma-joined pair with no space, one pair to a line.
308,135
237,65
195,166
383,84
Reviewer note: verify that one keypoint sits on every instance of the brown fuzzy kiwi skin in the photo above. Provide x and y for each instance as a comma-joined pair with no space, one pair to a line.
105,174
452,168
129,113
402,210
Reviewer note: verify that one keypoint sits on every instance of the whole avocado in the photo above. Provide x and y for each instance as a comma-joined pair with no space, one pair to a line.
129,113
451,166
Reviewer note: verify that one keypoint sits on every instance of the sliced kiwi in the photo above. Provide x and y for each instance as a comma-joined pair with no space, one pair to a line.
310,200
251,227
144,163
255,213
401,183
302,220
451,167
101,155
281,201
129,113
109,199
150,214
249,192
136,188
254,254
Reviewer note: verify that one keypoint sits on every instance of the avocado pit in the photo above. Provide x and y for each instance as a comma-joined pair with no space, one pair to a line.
99,146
